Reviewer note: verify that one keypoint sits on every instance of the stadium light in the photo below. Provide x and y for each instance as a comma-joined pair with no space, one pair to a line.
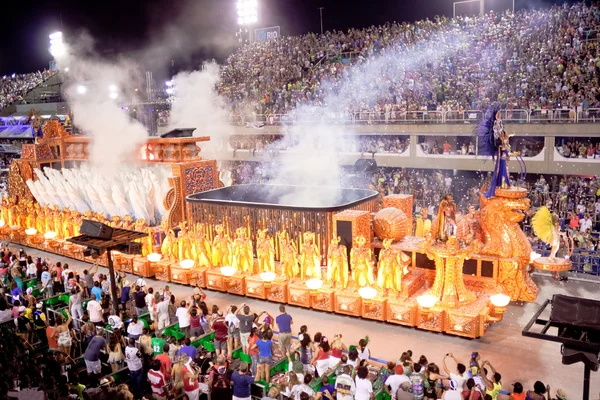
113,88
113,95
57,46
247,11
81,89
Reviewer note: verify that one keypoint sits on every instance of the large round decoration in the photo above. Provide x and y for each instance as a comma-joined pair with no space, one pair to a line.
390,223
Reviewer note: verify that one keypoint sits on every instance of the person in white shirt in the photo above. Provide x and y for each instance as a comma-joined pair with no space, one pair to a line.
31,268
133,357
232,321
460,376
183,317
363,350
364,387
162,312
585,224
135,328
393,382
95,311
150,302
344,385
303,387
452,393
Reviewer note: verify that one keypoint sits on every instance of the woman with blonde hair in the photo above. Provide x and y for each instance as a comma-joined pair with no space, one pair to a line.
62,333
337,347
177,374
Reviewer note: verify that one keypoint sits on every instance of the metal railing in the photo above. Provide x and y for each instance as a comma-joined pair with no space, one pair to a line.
521,116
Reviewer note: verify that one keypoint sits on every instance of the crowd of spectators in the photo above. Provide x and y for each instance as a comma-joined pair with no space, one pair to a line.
124,359
273,144
14,87
532,59
581,148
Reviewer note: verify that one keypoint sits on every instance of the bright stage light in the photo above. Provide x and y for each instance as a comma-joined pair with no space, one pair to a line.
267,276
228,271
113,88
57,46
81,89
367,293
500,300
30,231
67,69
426,301
113,95
154,257
50,235
247,11
169,83
186,264
314,284
169,91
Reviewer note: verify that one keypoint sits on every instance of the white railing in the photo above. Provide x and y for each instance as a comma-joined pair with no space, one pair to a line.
521,116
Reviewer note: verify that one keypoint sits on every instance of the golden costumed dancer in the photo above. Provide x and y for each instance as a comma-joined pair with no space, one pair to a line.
391,266
201,249
361,263
221,248
546,227
265,252
288,257
242,258
310,258
337,263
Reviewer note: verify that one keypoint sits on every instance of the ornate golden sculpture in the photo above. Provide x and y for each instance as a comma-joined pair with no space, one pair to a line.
127,222
390,269
201,249
265,252
57,222
241,257
337,264
221,249
449,287
76,221
310,258
115,221
288,257
502,236
361,263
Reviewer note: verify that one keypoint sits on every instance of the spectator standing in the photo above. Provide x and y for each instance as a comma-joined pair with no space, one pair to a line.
165,361
284,325
125,295
96,291
364,387
220,328
344,385
92,355
157,380
195,323
246,319
326,390
162,312
139,300
183,318
242,382
252,349
393,382
75,300
265,356
133,357
188,349
219,380
135,328
94,310
233,329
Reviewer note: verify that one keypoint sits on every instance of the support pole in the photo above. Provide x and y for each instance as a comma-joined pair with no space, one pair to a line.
113,282
586,382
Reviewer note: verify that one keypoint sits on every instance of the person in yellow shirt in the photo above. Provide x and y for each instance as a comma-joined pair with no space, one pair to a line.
493,386
419,227
426,221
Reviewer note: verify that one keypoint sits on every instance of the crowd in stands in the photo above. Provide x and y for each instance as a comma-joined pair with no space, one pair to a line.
95,354
14,87
580,148
532,59
273,144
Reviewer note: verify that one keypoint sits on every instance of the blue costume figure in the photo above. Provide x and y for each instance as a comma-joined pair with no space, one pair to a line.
494,141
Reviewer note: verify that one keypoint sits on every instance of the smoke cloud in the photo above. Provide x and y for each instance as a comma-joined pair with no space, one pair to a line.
199,106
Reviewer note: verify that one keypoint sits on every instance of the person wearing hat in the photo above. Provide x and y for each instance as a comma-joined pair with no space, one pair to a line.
40,323
29,297
561,394
393,382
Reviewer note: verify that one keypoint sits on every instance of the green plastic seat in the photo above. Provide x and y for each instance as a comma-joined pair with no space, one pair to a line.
51,301
236,353
208,346
178,335
64,298
32,283
146,324
245,358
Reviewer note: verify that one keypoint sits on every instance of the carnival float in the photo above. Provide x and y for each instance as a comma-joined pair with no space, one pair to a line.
353,253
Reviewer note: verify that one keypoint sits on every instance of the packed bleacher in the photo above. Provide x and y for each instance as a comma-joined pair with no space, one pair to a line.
61,339
533,60
14,87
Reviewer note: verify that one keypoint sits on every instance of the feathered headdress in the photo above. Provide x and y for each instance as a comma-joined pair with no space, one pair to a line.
487,143
542,223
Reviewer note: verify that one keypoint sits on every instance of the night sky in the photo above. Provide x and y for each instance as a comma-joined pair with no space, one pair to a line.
190,31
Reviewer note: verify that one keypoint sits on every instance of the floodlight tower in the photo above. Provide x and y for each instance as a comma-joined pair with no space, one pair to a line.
57,46
247,12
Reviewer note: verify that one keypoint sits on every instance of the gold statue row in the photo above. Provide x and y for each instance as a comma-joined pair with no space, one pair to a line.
65,222
303,263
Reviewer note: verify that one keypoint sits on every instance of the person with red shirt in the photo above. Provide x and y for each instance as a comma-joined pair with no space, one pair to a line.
165,362
157,381
190,382
252,350
220,327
